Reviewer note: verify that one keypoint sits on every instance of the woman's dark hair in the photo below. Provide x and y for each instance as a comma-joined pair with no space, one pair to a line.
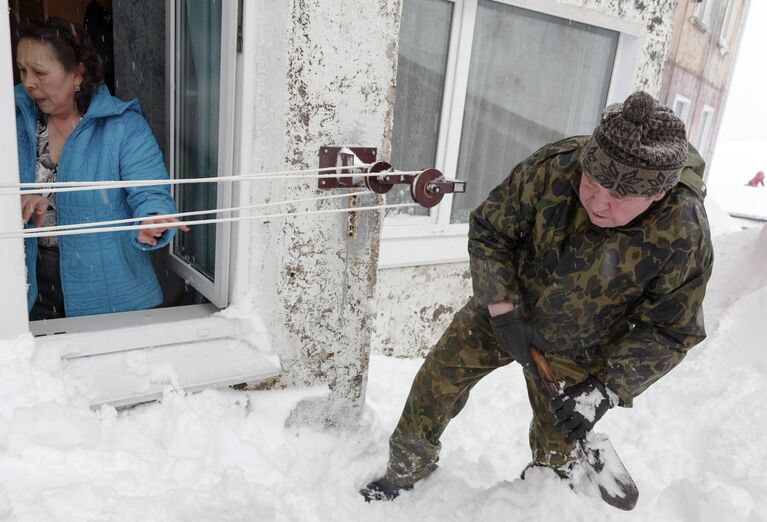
71,47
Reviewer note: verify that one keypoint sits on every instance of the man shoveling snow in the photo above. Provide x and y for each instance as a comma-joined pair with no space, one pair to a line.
596,250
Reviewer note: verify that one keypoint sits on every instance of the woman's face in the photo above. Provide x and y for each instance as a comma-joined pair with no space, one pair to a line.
606,209
45,79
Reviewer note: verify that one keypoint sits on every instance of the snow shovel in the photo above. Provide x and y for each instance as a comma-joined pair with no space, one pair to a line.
598,462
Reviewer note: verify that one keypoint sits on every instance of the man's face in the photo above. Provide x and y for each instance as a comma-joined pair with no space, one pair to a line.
607,209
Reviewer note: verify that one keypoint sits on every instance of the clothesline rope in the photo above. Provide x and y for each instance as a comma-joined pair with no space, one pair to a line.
33,234
92,224
79,186
53,184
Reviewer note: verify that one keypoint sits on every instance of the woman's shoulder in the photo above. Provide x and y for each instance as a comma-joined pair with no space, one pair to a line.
104,105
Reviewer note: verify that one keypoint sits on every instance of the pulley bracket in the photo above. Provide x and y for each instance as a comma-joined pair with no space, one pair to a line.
427,188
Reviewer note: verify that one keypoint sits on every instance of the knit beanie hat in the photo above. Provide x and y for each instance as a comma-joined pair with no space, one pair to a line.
638,149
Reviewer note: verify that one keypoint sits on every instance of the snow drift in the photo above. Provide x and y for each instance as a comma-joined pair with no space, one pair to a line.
694,442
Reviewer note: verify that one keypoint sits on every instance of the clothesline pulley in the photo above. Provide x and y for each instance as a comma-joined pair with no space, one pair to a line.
427,187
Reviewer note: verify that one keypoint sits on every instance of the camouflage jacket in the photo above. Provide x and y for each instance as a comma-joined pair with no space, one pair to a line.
630,296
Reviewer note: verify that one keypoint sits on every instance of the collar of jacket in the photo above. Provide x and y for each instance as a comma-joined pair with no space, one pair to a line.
102,105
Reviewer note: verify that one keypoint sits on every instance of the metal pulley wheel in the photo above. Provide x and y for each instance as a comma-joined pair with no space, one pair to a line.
423,191
373,183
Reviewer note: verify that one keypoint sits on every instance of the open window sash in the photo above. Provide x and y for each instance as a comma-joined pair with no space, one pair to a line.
201,68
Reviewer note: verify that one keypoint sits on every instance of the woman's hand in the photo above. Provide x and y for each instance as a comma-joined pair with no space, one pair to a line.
149,236
33,205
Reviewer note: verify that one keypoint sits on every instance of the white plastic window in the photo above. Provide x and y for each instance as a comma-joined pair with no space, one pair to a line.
202,99
200,40
682,107
704,129
728,25
481,84
702,13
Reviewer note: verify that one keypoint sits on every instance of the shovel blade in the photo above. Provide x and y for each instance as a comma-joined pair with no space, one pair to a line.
600,471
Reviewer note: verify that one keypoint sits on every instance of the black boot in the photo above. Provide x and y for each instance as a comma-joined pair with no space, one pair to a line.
382,489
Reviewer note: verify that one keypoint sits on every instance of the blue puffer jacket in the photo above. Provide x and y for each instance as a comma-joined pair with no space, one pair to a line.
102,272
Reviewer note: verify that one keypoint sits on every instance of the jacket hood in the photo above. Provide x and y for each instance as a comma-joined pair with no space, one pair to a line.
693,171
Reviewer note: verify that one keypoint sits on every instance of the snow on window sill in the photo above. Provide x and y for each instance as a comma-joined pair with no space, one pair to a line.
124,331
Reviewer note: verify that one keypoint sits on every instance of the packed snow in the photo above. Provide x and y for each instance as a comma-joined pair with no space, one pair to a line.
587,404
694,442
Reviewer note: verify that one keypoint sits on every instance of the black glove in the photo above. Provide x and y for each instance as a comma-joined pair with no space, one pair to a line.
515,337
580,407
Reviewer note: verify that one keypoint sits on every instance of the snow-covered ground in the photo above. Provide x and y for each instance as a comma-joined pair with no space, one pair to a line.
742,137
734,166
695,442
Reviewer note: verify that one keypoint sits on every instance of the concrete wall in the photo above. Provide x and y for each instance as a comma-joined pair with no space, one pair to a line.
415,304
314,73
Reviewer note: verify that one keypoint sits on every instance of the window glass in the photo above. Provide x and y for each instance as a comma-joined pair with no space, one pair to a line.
421,68
703,12
700,8
704,130
198,98
728,23
533,79
681,107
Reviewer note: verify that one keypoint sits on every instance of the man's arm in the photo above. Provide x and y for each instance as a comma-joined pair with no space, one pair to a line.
496,229
666,324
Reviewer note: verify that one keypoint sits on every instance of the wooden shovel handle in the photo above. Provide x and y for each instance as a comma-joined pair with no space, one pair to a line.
544,370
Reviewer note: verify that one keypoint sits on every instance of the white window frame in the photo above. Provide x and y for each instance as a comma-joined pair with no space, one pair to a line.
216,291
424,240
728,26
701,15
94,330
704,129
684,113
13,306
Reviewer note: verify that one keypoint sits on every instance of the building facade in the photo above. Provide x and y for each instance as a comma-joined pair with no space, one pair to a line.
699,66
467,86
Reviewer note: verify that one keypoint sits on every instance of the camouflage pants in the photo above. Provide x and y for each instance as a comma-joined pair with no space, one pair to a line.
465,353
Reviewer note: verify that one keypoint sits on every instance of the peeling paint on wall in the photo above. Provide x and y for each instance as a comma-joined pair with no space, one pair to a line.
657,16
338,80
415,305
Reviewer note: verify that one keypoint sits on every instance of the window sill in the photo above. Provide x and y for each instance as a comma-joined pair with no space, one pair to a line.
126,378
132,357
403,246
108,333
